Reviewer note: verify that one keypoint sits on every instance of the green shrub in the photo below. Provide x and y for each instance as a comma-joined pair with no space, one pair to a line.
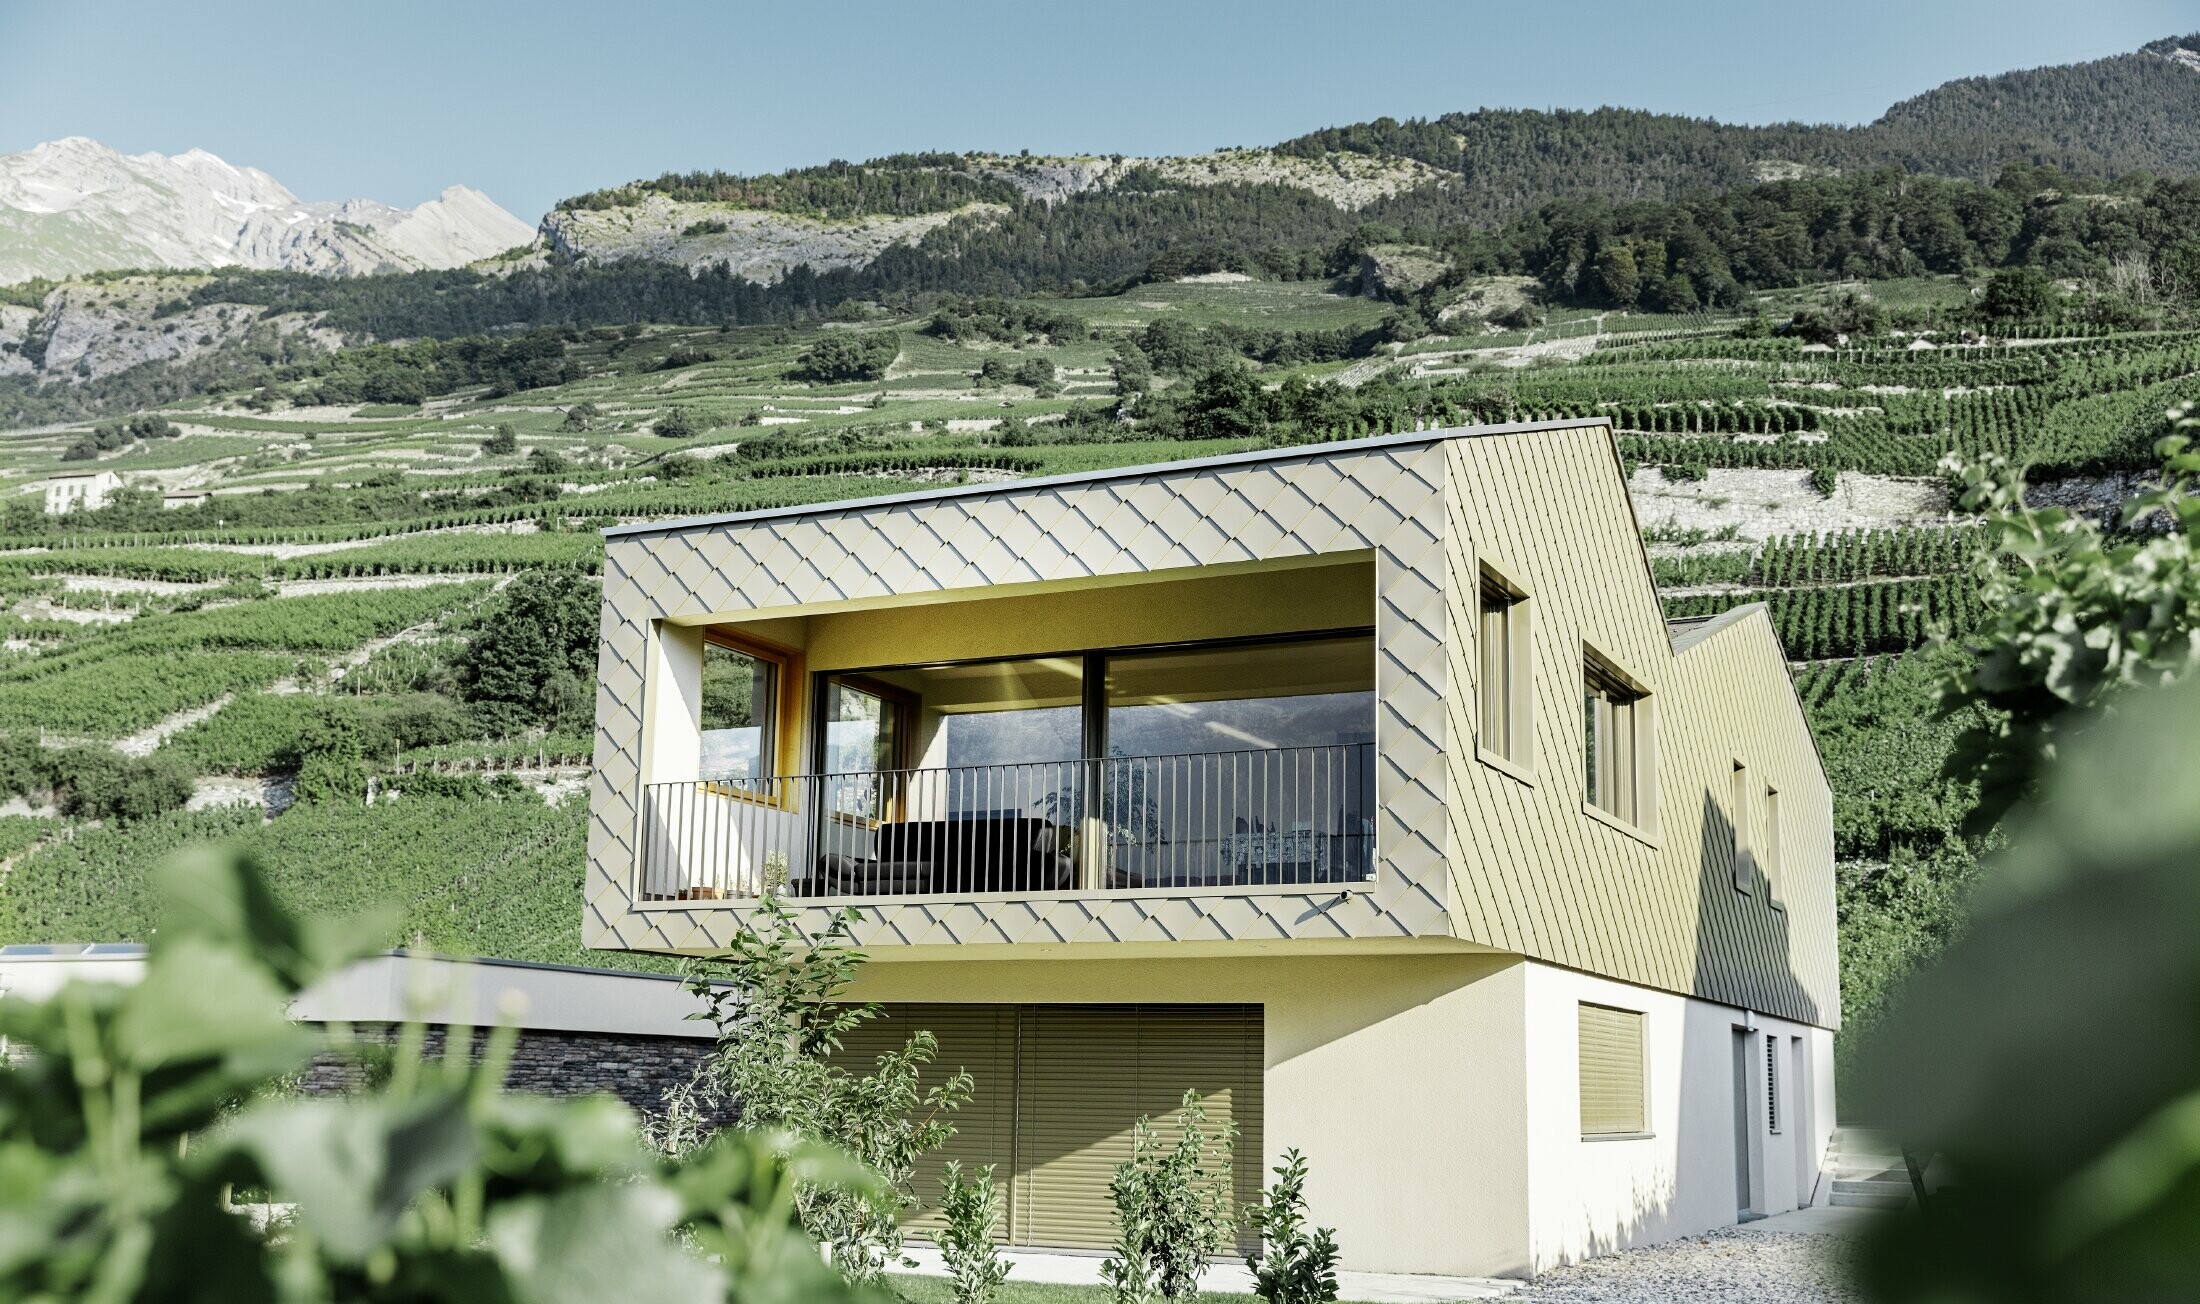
136,1109
1825,480
98,783
1291,1264
968,1209
842,356
1173,1209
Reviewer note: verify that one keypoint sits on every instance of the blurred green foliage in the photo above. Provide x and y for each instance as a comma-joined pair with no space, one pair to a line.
128,1112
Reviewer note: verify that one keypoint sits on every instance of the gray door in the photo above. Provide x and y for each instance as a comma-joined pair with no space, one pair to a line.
1741,1121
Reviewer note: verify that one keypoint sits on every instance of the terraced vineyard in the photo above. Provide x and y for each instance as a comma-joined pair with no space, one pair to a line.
316,622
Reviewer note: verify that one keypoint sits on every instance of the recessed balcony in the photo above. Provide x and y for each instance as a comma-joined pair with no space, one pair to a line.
1237,764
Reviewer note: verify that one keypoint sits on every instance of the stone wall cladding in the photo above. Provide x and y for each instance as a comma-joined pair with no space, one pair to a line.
642,1071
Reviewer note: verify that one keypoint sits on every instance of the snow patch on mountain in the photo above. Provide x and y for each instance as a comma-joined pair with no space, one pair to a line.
74,205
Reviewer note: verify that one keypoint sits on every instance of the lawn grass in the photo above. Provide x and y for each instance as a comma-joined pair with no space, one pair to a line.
937,1290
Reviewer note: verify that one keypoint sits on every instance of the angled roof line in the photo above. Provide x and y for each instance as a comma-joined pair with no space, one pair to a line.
1688,631
1254,457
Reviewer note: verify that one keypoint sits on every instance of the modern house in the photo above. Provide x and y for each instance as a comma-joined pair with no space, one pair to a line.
1362,787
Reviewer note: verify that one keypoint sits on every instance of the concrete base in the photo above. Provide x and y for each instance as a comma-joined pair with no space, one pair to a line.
1821,1220
1058,1268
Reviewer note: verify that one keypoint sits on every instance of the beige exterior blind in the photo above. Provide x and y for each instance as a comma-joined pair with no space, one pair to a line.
1056,1092
979,1038
1613,1098
1087,1073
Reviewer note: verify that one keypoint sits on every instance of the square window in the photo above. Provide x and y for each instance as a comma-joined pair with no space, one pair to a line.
1614,1072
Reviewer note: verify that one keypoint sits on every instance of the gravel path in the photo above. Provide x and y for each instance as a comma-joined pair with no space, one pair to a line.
1729,1266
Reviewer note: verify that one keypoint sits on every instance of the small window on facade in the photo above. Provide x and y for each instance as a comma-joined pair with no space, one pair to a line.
1617,743
1614,1096
1745,842
1772,1084
739,714
1771,852
1506,702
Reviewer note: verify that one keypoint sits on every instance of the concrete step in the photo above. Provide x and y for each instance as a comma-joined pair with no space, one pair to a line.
1882,1186
1860,1200
1892,1170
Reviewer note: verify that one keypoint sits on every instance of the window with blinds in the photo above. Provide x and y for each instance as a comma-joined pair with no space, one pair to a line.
1056,1093
1505,660
1614,1094
1772,1084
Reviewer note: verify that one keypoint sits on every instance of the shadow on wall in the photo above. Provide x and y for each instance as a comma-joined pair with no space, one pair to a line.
1719,1157
1745,953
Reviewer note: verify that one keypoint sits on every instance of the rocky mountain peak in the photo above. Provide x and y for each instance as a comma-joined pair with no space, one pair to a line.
75,205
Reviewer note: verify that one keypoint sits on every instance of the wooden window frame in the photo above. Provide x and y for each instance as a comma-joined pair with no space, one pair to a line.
1513,752
1619,744
784,744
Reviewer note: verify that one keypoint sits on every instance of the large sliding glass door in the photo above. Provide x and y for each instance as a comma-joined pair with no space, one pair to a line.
1242,762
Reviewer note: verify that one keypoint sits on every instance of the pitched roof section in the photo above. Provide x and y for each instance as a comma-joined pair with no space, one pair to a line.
1285,453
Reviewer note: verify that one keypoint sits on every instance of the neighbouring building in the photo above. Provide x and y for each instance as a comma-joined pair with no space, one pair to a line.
581,1031
185,498
74,491
1361,787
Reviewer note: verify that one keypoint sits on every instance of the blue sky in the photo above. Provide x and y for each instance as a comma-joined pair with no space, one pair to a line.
395,99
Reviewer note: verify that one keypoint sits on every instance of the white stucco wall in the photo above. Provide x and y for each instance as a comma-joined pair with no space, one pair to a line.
1400,1077
1591,1197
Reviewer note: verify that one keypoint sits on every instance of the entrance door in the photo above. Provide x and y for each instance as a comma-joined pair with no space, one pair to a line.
1059,1090
1742,1131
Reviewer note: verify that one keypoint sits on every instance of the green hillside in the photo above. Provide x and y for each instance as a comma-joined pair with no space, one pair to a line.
340,614
378,574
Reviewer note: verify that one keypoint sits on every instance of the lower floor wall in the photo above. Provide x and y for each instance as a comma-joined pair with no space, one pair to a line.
1740,1113
1436,1097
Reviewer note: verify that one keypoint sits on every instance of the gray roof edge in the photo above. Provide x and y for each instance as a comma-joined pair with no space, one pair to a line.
1252,457
137,951
1688,632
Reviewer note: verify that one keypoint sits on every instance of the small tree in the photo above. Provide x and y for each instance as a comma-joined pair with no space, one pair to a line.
676,423
780,1022
580,417
1173,1208
1291,1265
968,1207
504,442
